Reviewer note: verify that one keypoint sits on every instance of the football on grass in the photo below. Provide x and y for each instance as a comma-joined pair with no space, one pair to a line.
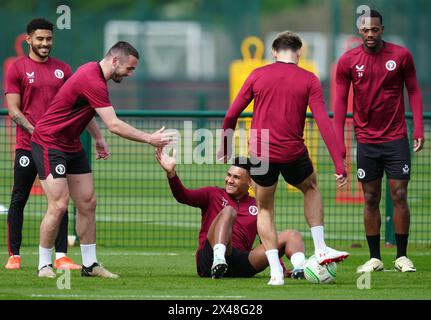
316,273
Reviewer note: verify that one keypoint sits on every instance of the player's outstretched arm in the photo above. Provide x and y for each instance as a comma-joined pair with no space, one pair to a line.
167,162
13,105
158,138
195,198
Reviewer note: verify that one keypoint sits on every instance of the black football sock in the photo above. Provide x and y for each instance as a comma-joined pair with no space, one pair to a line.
374,246
401,240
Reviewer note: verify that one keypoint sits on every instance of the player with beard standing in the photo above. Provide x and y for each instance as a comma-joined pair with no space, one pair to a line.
60,159
31,83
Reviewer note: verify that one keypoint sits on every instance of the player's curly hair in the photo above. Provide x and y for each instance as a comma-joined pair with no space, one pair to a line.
39,24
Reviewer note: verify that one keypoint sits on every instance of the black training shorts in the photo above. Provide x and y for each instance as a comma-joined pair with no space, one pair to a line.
392,157
293,172
238,265
58,163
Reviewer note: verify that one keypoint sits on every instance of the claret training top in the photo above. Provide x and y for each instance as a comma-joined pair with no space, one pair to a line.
72,109
281,92
378,105
37,83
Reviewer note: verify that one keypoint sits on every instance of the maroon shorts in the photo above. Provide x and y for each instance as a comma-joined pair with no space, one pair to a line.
58,163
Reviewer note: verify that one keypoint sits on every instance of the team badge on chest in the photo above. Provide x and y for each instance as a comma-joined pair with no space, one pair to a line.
59,74
253,210
391,65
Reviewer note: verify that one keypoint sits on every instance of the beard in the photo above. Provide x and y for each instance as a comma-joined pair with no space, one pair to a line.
116,77
37,53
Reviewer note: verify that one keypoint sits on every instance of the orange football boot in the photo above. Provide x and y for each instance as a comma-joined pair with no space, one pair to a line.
66,263
13,263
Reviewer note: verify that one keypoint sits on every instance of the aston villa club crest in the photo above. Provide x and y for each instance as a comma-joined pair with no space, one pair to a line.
253,210
59,74
391,65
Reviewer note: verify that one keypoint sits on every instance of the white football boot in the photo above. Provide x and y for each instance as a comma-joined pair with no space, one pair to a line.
97,270
371,265
46,272
276,280
329,255
404,264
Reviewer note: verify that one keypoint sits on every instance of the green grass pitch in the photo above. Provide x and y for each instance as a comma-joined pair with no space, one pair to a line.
148,274
149,240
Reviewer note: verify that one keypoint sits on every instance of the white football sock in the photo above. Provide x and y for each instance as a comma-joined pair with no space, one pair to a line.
59,255
45,257
88,252
297,259
274,262
318,237
219,251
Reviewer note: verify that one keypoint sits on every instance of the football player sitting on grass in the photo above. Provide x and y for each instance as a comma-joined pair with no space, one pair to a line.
229,225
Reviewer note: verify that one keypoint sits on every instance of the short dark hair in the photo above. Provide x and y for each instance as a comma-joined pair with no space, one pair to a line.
124,48
39,24
374,14
287,41
242,162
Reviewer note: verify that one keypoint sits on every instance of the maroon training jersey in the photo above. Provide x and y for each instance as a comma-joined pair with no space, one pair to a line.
281,93
72,109
211,200
36,83
378,105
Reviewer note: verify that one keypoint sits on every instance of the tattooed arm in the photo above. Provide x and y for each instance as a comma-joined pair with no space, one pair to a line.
13,104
